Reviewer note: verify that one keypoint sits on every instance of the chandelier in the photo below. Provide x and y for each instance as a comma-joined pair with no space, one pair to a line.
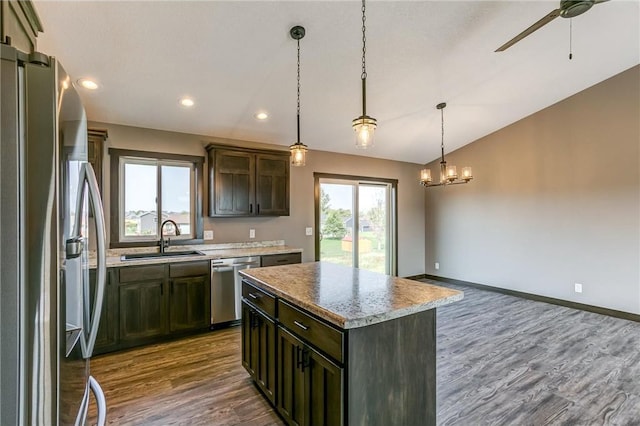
448,174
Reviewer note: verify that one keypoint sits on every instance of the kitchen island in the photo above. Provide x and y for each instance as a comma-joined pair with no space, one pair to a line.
329,344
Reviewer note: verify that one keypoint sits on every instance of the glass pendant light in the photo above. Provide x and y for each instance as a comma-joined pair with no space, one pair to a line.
298,149
364,125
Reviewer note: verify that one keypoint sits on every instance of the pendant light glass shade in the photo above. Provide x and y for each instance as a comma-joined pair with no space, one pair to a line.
365,128
298,154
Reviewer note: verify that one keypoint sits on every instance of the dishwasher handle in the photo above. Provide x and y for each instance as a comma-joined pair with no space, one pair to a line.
250,264
222,268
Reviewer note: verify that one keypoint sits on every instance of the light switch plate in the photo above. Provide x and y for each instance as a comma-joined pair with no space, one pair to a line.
252,233
208,235
308,231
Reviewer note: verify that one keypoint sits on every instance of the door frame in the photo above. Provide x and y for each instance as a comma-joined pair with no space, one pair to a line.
393,210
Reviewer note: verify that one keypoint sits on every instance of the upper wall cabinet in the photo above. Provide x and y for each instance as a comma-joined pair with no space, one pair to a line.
248,182
19,23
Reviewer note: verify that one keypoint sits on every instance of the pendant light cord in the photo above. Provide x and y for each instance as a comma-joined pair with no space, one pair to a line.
442,139
364,42
364,62
298,110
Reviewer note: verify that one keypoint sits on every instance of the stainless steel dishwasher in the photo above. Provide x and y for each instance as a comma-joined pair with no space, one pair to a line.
226,289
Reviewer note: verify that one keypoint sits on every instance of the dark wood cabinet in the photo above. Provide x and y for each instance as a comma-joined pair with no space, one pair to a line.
142,310
189,296
233,183
247,182
309,384
272,185
95,145
258,348
280,259
107,337
149,303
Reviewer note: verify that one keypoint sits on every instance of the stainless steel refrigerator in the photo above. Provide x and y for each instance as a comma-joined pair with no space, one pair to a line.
50,215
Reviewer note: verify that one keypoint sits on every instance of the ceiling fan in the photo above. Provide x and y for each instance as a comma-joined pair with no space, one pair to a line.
568,9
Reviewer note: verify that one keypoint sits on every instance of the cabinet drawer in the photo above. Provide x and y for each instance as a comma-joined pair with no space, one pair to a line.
141,273
281,259
177,270
259,298
317,333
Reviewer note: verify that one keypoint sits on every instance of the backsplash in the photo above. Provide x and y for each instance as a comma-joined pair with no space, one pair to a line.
200,247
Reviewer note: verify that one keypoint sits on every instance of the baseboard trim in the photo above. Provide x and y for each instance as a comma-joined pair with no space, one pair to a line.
567,304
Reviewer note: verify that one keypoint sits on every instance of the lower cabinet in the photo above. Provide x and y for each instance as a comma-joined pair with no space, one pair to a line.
189,296
142,310
259,349
304,385
142,304
309,384
107,337
150,303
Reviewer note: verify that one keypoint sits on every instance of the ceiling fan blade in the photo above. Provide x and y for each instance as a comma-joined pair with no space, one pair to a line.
542,22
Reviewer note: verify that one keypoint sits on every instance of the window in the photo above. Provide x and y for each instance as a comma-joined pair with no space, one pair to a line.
355,218
148,189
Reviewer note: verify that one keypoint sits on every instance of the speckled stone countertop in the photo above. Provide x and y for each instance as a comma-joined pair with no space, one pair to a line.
349,297
210,251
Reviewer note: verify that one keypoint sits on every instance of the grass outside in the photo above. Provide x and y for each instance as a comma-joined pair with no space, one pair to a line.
374,260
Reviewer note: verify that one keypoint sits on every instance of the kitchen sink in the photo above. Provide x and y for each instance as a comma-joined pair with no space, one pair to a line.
138,256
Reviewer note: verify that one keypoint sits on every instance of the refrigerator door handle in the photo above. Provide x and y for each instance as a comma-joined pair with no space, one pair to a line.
100,400
87,175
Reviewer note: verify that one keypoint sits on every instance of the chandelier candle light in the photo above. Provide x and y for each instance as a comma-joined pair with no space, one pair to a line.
298,149
448,174
364,125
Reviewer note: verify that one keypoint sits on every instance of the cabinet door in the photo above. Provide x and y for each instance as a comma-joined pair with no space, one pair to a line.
264,344
189,303
233,183
247,338
272,185
291,391
324,391
107,337
142,310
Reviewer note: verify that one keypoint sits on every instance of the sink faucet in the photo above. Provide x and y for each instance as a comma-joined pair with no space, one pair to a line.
164,244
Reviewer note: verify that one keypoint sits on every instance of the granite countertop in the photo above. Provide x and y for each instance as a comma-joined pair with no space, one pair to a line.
210,251
349,297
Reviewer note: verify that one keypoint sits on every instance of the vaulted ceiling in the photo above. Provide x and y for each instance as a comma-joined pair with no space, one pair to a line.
235,58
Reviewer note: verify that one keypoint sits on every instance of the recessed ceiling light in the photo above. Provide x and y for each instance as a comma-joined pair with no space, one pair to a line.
187,102
262,115
88,84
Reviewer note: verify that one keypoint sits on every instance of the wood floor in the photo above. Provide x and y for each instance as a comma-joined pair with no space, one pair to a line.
501,361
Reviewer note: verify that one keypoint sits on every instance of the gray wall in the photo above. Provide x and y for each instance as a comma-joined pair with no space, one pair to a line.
292,228
555,201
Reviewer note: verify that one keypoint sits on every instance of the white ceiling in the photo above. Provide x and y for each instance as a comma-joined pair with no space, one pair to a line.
236,58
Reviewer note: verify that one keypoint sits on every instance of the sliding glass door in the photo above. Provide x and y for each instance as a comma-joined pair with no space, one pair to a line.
355,218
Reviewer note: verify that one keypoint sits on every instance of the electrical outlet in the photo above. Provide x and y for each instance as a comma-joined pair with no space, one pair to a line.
252,233
437,266
578,287
308,231
208,235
